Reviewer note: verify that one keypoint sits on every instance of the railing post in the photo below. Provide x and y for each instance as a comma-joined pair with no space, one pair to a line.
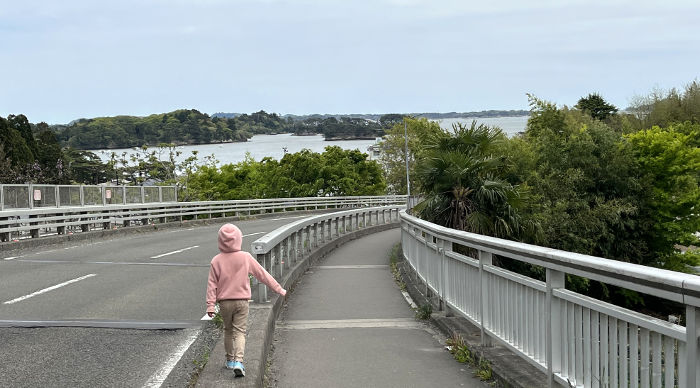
2,197
553,311
485,258
278,260
30,191
123,195
57,195
261,287
692,332
143,194
82,196
160,194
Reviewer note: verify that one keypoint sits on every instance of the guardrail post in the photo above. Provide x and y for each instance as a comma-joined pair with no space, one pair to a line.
277,262
160,194
4,236
123,195
443,247
82,196
143,194
485,258
31,196
553,312
307,239
298,239
34,232
57,196
103,190
106,225
261,296
2,197
84,227
315,244
692,330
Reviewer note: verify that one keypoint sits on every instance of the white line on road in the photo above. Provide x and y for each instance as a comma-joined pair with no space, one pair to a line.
33,294
159,377
174,252
398,323
12,258
253,234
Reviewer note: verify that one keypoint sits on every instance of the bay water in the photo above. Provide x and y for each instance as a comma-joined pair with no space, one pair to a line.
275,146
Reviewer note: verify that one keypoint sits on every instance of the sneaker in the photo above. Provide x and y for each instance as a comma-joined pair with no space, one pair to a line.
238,369
230,364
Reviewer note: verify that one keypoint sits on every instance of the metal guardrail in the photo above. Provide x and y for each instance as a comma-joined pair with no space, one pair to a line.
279,250
575,339
31,196
16,224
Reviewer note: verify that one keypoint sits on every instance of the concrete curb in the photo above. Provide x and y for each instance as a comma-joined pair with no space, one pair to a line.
508,369
261,323
124,231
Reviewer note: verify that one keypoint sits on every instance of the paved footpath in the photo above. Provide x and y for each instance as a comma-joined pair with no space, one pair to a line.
346,324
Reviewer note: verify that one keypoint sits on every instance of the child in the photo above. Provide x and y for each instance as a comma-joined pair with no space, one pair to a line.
229,285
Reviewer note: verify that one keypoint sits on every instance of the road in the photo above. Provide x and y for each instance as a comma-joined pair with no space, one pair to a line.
136,303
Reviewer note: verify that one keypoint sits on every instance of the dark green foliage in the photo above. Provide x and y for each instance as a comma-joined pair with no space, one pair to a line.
179,127
463,183
596,106
343,128
193,127
335,172
665,108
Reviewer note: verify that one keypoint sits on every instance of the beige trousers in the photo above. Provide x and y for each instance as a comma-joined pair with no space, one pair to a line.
235,315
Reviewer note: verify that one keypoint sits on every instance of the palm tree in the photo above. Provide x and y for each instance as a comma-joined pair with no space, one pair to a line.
460,180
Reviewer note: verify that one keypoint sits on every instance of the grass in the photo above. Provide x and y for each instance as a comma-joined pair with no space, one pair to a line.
462,354
424,311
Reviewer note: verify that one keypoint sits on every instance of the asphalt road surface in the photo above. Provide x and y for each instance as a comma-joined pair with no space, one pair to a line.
133,306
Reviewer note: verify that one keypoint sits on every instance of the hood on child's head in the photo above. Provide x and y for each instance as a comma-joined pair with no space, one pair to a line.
230,238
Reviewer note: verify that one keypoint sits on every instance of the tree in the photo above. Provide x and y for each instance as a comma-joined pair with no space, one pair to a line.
462,184
669,160
596,106
393,150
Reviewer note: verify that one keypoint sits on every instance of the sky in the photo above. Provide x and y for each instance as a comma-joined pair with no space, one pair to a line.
70,59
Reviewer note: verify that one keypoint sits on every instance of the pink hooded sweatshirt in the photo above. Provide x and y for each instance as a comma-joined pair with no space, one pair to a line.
228,274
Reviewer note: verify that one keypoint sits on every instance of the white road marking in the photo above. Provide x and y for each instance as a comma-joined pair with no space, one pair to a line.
159,377
253,234
174,252
33,294
407,323
12,258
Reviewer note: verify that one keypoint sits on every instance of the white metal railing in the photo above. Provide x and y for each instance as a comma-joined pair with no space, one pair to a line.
41,221
29,196
281,249
576,340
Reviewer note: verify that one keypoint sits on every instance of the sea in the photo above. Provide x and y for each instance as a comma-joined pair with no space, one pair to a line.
275,146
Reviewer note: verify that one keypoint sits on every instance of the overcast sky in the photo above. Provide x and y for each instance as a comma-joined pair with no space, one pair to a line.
67,59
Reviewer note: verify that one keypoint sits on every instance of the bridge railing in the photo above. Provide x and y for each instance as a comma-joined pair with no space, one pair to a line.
16,224
575,339
281,249
29,196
